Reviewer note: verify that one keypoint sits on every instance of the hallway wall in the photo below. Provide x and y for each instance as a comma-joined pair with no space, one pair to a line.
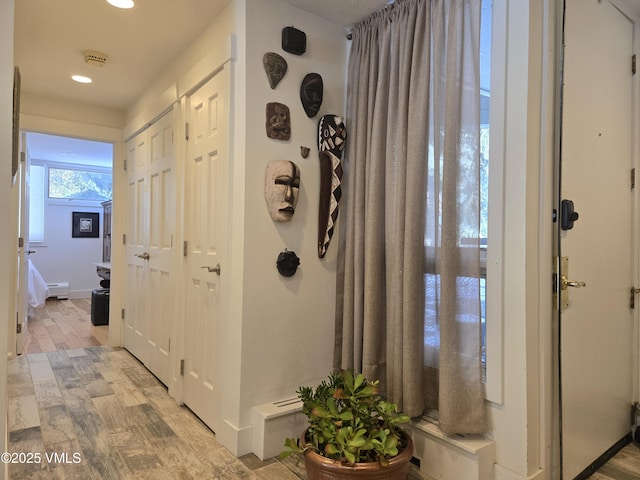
67,259
288,323
7,235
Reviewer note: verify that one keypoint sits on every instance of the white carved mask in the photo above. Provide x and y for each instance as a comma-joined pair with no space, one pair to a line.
281,189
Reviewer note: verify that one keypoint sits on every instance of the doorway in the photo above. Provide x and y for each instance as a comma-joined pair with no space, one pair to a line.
70,179
597,235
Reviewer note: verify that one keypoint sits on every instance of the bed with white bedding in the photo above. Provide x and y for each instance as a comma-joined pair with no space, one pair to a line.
38,290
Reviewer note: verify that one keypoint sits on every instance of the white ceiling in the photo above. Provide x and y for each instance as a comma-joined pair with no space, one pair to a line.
50,37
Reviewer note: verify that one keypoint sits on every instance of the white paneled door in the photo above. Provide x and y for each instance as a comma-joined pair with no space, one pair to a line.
149,293
23,248
206,190
596,328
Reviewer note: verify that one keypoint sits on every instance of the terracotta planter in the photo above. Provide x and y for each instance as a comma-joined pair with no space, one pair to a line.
322,468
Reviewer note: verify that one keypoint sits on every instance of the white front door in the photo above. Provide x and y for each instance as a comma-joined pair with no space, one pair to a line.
596,164
149,294
206,189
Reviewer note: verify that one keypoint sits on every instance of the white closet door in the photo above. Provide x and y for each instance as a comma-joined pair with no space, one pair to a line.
206,225
149,293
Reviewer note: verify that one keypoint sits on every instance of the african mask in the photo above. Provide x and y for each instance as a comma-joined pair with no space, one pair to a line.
281,189
278,122
287,263
331,134
311,91
275,66
331,140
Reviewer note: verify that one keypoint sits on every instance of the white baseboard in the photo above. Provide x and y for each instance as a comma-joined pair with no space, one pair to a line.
236,439
78,294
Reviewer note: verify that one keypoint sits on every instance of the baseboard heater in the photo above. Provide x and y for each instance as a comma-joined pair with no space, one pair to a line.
58,290
273,422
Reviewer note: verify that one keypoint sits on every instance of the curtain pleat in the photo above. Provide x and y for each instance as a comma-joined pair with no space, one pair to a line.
398,91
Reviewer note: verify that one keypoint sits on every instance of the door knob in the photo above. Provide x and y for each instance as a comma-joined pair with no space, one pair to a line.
564,283
143,255
215,269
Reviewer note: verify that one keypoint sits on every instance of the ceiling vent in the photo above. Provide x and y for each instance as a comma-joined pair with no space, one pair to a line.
97,59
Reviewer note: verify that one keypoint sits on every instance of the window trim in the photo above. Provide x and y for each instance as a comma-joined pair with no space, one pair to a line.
38,243
494,385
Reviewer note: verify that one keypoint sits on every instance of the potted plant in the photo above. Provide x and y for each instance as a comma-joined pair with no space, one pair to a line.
352,433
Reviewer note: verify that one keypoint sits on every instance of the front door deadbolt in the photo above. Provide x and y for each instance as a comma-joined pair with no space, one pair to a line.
568,215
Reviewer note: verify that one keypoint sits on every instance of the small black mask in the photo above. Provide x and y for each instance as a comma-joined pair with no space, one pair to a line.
287,263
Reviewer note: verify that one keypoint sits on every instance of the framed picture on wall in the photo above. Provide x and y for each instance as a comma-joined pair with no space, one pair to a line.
85,224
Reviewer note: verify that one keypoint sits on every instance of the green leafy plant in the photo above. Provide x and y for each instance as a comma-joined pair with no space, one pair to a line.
349,421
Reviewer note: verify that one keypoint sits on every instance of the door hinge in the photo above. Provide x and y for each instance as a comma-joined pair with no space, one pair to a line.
20,242
19,328
632,297
186,131
122,314
633,64
124,238
125,165
182,367
633,178
185,248
23,157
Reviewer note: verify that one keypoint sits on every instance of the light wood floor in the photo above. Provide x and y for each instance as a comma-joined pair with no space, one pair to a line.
624,466
63,325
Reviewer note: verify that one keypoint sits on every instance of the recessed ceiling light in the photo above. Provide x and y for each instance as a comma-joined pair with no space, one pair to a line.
81,79
121,3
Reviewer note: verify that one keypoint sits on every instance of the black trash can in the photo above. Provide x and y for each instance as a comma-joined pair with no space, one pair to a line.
100,306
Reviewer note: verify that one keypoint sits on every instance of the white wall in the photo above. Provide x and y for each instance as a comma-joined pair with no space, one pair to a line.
65,110
7,235
62,258
288,323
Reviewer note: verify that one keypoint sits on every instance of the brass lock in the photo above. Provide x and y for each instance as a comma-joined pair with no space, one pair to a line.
561,295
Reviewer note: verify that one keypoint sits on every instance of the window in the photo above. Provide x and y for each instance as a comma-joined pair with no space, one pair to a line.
51,183
490,333
36,203
75,184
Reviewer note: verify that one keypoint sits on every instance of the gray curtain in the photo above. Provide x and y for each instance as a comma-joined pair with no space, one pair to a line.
408,262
